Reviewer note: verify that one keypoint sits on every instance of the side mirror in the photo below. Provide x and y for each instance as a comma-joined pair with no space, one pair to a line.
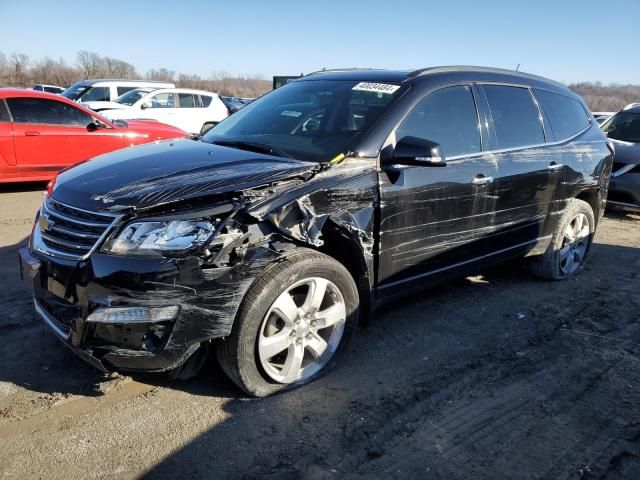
207,126
419,152
145,105
93,126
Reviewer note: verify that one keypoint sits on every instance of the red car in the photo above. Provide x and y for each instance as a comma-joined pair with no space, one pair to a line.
42,133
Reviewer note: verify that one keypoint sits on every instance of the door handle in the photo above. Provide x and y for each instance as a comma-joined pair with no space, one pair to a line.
553,166
31,133
481,180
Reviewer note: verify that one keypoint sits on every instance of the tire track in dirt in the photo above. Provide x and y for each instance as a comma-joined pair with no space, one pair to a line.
73,407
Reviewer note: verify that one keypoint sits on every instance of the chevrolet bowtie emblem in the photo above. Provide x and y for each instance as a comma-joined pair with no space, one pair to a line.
46,223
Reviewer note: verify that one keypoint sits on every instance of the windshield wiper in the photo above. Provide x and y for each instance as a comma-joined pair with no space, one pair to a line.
253,147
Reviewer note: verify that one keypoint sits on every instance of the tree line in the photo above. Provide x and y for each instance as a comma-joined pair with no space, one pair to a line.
18,70
606,98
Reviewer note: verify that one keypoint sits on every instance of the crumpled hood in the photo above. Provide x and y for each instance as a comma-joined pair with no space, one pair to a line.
170,171
626,152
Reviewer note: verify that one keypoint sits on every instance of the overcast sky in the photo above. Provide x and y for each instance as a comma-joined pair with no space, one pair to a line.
564,40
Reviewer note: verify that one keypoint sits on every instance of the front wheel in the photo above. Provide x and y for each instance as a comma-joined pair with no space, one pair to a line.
293,324
570,244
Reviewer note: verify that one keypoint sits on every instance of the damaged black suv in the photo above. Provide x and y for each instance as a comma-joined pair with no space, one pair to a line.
267,240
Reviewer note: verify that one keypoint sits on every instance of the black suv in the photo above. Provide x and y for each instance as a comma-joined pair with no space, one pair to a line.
269,238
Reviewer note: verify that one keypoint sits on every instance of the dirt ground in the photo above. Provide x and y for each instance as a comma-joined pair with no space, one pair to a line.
496,376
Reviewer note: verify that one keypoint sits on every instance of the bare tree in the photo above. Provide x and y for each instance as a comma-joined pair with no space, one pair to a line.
18,71
161,75
606,98
20,65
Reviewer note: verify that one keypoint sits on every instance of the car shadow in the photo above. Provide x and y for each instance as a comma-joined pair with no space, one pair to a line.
22,187
35,359
621,215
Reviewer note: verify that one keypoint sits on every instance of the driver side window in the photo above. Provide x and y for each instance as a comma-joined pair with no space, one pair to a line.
448,117
45,111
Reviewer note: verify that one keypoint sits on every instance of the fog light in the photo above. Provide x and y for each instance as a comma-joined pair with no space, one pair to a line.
134,314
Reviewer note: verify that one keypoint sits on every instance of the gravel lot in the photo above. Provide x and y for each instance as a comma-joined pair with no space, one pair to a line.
496,376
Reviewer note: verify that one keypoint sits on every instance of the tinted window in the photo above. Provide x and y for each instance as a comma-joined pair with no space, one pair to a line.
310,120
39,88
163,100
123,90
37,110
516,118
206,100
567,117
95,94
623,126
53,89
448,117
187,100
4,115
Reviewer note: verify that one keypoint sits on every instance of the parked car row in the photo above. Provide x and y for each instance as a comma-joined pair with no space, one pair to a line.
267,240
42,133
87,91
187,109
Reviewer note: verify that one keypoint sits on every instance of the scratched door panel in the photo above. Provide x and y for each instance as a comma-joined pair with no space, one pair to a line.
433,217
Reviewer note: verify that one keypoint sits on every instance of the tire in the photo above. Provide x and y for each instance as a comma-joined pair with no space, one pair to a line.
272,314
565,257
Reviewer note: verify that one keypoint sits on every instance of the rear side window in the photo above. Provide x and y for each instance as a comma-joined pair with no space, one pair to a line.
187,100
38,110
206,100
566,115
516,117
123,90
448,117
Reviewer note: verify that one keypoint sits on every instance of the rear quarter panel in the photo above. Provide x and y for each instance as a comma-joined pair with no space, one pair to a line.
587,170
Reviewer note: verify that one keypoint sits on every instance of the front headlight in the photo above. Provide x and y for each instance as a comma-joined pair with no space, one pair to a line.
157,237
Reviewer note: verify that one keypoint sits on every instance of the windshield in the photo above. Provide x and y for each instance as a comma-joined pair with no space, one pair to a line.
131,97
74,91
623,126
313,120
87,93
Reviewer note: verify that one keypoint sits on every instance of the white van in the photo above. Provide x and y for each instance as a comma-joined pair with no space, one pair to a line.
184,108
107,90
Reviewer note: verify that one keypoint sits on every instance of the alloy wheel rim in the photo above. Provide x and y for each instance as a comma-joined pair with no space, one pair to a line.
574,244
301,330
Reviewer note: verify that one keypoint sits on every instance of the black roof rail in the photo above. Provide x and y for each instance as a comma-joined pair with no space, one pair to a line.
350,69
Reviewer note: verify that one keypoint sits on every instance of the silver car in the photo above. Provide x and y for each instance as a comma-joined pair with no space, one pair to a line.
623,129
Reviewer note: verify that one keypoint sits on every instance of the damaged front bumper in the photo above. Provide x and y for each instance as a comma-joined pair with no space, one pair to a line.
196,306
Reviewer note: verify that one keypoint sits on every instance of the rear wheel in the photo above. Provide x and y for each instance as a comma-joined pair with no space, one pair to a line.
570,244
293,325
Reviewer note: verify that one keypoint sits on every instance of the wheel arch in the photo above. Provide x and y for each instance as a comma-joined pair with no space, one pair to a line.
592,197
344,245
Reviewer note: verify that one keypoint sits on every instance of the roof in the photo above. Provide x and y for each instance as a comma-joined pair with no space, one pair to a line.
632,107
30,93
120,80
185,90
405,75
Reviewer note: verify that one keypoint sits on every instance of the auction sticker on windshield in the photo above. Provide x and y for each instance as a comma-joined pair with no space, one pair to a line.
376,87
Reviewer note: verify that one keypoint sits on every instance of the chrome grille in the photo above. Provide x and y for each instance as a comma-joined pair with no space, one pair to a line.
69,232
